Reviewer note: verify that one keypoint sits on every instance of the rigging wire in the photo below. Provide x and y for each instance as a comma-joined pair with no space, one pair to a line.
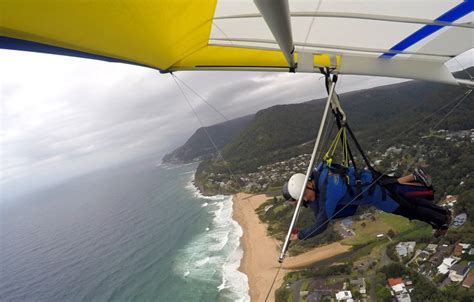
447,114
452,109
312,22
462,98
431,115
202,98
273,282
225,35
219,154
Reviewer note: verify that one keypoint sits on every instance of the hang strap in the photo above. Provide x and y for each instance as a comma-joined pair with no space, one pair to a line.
340,136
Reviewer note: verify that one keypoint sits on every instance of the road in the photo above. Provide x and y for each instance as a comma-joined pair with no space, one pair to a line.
384,258
296,290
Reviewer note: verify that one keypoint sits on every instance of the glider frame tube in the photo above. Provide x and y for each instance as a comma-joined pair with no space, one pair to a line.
308,172
277,16
358,16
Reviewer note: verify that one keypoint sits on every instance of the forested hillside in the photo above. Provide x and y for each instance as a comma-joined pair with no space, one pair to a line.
376,115
199,147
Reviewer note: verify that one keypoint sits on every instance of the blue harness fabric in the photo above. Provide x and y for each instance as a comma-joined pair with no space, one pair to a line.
334,193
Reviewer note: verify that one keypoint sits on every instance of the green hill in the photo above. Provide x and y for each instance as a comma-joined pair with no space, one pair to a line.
199,147
376,115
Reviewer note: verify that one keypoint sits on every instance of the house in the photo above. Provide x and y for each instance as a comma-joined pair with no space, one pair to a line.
444,267
458,272
403,297
360,284
393,282
347,222
457,251
344,295
469,281
431,248
423,256
399,289
404,249
446,250
436,259
460,219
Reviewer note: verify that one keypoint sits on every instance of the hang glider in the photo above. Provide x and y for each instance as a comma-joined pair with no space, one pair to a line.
407,39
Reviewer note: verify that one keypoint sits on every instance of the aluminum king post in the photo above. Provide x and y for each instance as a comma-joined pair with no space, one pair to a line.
308,172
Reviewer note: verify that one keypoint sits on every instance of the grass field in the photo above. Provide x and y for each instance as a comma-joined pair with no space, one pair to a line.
382,224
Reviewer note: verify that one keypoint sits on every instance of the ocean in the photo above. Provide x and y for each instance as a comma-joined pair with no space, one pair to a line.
138,232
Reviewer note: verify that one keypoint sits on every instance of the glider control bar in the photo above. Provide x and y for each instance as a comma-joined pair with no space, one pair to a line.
308,172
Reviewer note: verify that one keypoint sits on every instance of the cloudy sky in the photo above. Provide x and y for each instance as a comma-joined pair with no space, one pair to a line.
62,116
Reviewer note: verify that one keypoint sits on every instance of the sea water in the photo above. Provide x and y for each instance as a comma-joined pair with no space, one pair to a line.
138,232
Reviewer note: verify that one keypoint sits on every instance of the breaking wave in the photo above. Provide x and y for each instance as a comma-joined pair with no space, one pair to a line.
216,253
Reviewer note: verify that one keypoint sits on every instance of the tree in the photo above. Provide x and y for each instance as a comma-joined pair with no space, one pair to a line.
394,270
282,294
391,233
383,294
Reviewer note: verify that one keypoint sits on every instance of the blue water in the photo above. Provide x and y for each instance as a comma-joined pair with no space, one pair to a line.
138,232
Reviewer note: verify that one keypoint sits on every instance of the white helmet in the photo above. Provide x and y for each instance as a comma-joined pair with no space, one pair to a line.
293,187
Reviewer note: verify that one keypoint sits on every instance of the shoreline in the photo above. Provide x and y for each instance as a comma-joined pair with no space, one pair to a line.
260,251
233,279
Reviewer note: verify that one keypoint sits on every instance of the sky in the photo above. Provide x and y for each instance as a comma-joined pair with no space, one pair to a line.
62,117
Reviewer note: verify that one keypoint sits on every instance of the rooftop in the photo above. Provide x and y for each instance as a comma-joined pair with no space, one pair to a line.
460,268
449,261
457,250
394,281
344,295
469,281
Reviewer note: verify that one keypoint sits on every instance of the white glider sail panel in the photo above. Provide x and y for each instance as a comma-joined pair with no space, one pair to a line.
342,23
410,39
364,33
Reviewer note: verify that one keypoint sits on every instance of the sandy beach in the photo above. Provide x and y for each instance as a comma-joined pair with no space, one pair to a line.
260,260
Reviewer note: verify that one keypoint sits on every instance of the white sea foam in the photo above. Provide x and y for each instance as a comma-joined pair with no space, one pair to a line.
204,205
197,194
221,239
216,252
233,279
171,166
201,262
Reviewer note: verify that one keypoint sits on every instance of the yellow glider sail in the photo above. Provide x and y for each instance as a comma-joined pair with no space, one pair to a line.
411,39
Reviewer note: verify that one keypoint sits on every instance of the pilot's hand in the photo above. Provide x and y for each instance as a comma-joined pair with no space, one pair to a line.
294,234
